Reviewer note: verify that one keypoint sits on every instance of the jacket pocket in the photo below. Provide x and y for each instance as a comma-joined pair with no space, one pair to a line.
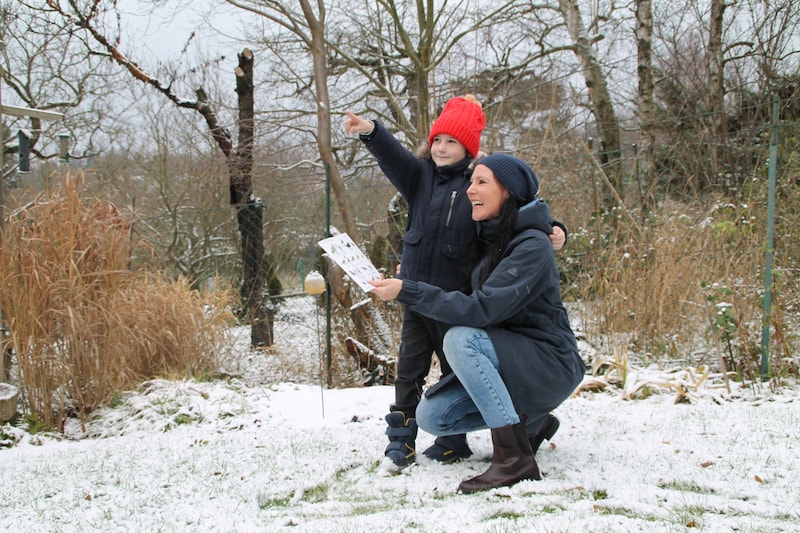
412,237
454,251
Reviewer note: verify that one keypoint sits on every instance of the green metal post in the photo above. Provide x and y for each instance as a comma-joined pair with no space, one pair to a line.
328,347
773,163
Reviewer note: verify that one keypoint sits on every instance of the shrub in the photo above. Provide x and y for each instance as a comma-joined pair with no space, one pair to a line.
82,324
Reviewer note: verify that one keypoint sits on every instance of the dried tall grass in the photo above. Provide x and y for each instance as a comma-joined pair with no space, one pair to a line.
662,290
684,284
82,325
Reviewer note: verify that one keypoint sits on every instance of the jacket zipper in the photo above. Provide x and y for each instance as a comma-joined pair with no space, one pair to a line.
450,212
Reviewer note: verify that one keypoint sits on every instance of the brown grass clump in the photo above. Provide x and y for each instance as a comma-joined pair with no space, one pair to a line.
685,286
81,324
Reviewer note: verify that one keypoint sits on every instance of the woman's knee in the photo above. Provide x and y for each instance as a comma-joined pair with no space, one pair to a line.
456,335
462,344
459,338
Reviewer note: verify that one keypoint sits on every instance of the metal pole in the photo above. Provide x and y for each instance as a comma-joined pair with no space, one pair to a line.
773,163
5,355
328,347
314,285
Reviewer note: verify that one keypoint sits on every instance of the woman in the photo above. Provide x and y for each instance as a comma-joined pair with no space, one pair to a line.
511,348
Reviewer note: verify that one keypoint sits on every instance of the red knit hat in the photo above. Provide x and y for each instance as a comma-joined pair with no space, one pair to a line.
462,118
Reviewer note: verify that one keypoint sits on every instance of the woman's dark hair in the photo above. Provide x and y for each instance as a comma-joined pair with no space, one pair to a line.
489,252
508,217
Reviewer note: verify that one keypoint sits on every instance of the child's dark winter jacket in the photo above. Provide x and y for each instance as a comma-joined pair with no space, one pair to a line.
440,229
520,307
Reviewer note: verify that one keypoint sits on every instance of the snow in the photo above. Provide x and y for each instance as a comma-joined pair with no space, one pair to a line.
259,452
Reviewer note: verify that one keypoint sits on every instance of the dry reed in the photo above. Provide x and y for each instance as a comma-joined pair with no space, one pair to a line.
662,291
81,324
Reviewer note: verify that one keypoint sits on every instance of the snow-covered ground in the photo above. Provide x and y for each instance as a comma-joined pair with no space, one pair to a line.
263,451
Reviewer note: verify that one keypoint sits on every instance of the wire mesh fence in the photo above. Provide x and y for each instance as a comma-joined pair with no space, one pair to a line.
658,279
683,282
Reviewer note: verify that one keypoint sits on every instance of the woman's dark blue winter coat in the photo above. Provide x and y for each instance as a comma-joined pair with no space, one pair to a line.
520,307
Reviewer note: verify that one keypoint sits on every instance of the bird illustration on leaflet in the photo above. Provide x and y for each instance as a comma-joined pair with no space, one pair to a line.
351,259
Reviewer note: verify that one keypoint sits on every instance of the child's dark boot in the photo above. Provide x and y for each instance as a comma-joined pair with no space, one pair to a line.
402,433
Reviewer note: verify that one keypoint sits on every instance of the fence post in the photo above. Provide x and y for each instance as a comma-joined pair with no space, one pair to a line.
773,158
328,347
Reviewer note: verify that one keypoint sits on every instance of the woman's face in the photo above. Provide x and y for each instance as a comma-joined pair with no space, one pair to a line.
486,193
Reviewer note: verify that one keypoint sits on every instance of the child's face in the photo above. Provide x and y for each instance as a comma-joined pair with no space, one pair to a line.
447,150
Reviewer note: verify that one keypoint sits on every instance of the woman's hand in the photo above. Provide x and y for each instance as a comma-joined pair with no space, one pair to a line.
386,289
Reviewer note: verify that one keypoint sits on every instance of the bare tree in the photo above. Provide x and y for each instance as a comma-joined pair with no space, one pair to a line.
248,206
403,51
716,64
46,66
600,97
647,116
308,27
249,210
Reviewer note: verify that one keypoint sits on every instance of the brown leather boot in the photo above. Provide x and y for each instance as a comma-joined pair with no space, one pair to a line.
512,461
548,429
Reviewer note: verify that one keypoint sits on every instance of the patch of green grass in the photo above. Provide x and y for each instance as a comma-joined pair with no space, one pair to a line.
617,511
373,467
690,516
115,400
270,502
599,494
506,515
685,486
6,440
368,509
182,419
339,475
317,493
207,376
33,424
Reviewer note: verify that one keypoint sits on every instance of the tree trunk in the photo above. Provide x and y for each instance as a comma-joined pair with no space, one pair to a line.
719,125
316,25
645,158
600,99
361,315
249,211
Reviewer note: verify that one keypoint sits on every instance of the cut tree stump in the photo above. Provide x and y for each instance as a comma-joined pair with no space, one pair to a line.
8,402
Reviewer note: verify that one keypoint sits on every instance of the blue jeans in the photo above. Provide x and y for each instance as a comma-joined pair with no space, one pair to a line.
479,399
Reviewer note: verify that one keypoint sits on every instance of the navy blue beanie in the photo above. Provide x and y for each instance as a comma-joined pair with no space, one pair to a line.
514,174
